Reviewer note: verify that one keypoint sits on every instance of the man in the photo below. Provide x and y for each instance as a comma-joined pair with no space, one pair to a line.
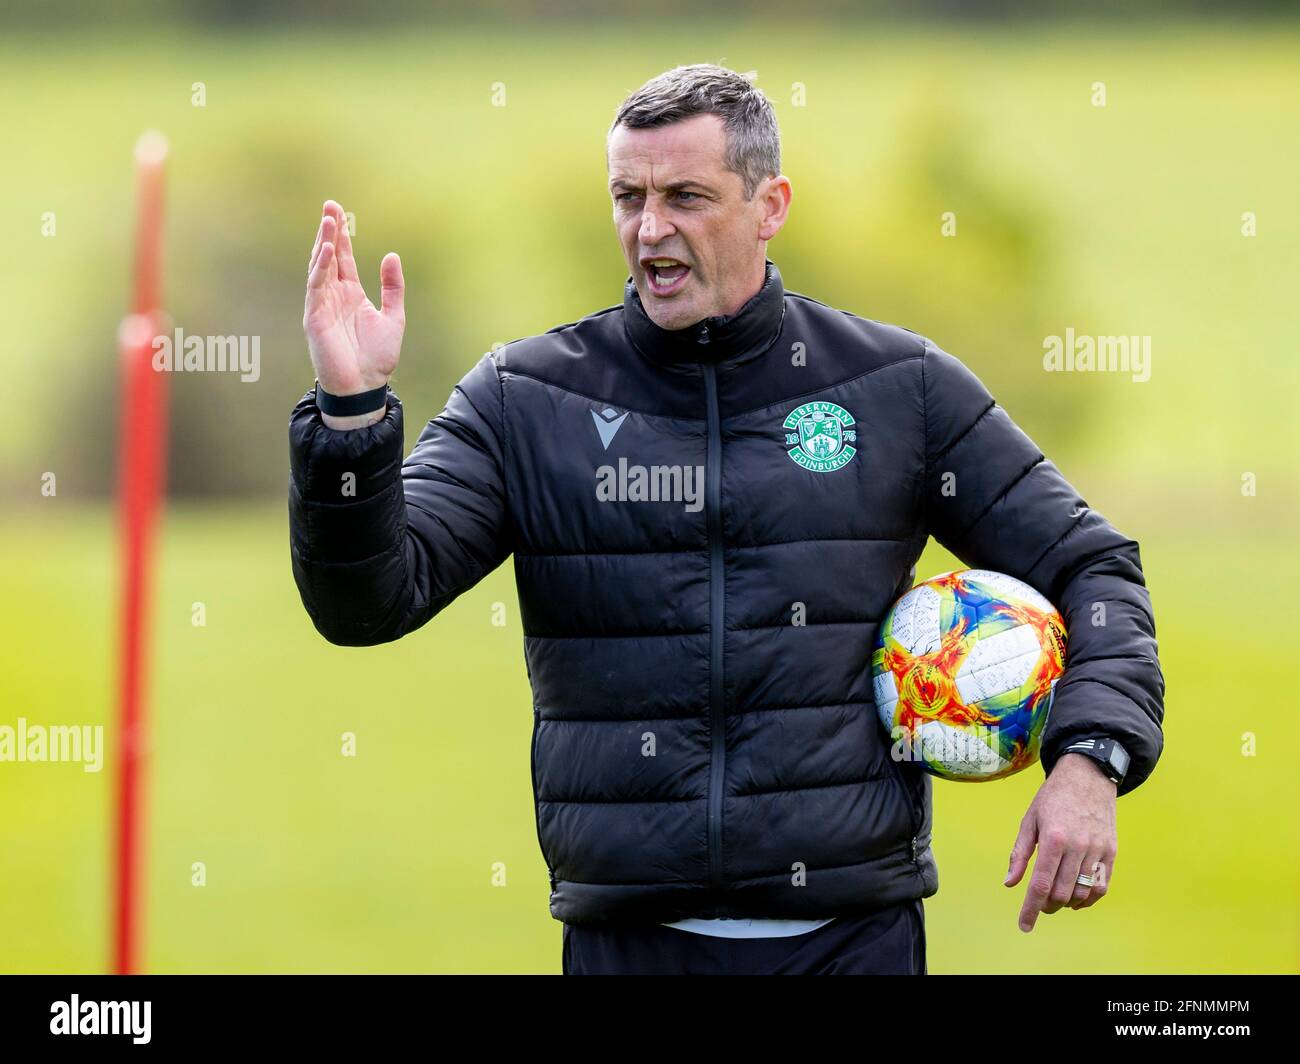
699,591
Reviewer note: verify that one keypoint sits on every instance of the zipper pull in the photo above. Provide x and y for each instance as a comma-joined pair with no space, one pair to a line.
703,337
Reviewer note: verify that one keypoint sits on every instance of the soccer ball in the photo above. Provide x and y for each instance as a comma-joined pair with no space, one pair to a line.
964,670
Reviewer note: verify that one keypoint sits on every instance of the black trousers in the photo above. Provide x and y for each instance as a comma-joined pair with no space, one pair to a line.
889,941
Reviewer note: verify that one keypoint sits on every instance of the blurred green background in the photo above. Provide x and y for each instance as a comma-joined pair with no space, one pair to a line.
1122,219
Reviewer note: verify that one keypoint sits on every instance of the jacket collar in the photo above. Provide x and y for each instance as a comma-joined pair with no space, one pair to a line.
752,328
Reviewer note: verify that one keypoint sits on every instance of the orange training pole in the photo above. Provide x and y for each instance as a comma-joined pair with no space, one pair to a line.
142,444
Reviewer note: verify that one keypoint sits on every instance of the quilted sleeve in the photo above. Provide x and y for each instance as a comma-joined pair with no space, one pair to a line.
380,545
995,501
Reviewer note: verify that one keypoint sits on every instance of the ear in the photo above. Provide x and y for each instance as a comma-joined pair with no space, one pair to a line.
773,196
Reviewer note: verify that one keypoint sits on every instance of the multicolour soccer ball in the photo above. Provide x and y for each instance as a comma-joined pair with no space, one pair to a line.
964,670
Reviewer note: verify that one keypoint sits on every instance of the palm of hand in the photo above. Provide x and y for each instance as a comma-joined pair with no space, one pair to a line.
353,345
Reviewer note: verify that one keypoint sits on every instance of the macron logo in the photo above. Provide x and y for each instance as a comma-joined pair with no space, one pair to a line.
608,422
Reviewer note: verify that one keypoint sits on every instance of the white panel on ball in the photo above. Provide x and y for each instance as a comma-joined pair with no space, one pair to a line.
886,691
998,663
916,621
958,752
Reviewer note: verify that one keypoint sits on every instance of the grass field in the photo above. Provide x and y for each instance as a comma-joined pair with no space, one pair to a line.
384,862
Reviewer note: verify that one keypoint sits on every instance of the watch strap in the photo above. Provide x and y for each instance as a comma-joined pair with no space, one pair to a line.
351,405
1108,753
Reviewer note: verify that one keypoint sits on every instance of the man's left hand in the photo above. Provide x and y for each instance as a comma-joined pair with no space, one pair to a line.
1072,822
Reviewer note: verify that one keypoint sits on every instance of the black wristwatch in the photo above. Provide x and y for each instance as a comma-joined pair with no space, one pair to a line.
1111,758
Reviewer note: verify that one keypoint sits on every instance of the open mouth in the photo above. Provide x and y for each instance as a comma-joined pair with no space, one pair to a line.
666,276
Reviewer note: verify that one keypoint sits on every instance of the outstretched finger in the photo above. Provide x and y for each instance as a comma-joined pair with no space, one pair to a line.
315,248
1099,867
323,271
347,264
1022,850
324,236
1066,883
1089,868
392,287
1038,894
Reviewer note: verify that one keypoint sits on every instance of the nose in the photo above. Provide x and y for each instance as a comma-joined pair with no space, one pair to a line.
652,229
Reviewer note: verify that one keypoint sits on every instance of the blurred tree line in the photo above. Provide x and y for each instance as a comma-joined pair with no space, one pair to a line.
908,208
513,263
67,14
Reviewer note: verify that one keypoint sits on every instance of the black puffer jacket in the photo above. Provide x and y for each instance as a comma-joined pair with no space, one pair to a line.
695,753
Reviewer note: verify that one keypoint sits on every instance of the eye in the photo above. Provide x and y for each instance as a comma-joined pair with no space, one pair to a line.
620,197
696,195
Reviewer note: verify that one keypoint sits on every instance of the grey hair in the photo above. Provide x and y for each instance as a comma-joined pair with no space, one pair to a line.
753,140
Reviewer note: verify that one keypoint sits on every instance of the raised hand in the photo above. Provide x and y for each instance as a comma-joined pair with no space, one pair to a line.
354,345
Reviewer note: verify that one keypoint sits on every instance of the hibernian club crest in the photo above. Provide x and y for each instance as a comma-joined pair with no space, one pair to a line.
821,434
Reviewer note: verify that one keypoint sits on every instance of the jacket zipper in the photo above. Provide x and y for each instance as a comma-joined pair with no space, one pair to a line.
717,718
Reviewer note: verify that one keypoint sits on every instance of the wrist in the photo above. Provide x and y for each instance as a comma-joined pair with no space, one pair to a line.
355,421
1084,765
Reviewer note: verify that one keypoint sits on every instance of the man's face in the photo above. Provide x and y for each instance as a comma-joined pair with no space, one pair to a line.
676,204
